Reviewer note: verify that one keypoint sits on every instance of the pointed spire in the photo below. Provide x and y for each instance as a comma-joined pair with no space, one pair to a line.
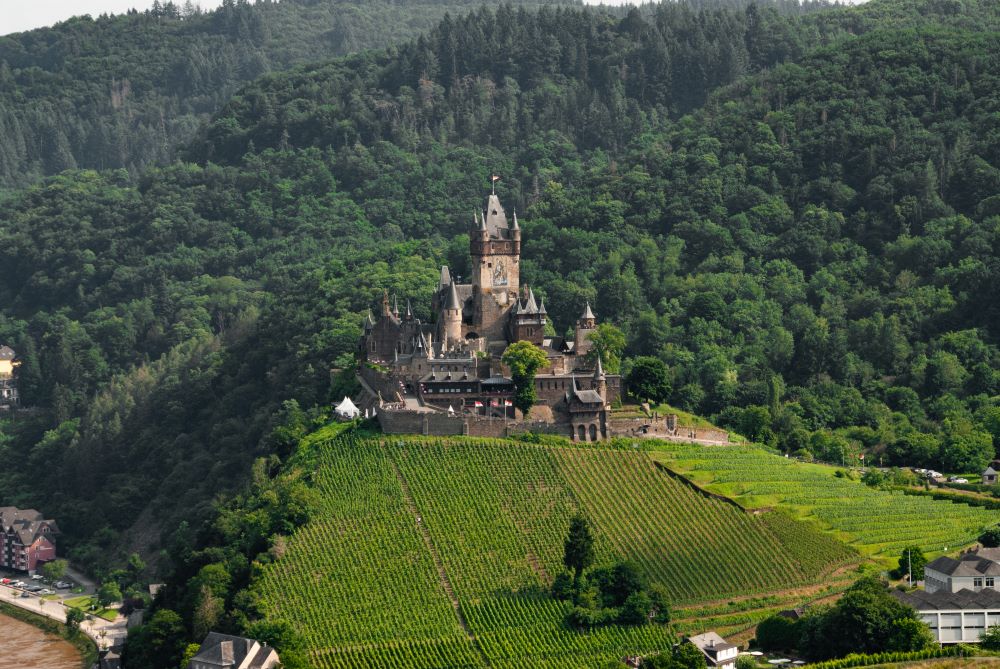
409,310
541,308
445,277
514,225
599,371
587,313
453,301
532,306
395,306
482,223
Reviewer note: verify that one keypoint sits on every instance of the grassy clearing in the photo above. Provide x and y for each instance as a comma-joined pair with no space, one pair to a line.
89,605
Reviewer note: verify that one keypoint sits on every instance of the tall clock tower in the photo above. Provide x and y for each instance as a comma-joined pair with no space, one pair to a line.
495,247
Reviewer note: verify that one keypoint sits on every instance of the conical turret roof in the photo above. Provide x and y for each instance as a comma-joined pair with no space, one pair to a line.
599,370
453,301
587,313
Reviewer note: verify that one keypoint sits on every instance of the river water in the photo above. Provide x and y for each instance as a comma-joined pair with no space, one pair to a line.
26,647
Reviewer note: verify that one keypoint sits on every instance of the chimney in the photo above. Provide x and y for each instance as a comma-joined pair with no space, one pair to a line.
226,651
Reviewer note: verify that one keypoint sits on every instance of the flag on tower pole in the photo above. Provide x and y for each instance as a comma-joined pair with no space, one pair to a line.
494,179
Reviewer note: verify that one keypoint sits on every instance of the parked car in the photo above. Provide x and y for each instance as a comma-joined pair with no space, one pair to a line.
17,584
25,595
961,480
62,585
37,577
46,591
5,581
33,588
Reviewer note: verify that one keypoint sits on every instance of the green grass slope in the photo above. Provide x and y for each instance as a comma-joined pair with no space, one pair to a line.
431,553
877,522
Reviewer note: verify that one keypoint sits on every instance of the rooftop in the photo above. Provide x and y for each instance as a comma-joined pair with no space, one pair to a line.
963,600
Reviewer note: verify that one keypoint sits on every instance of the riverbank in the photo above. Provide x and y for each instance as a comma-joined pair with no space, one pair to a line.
83,644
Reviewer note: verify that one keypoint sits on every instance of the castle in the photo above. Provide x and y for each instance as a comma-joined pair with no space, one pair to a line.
452,365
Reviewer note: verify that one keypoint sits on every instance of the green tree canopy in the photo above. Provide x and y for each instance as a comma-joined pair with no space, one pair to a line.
578,550
524,359
648,379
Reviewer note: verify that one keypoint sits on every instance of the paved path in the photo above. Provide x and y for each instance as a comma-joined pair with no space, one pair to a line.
103,632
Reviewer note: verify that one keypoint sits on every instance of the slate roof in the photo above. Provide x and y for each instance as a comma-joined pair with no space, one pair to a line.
27,524
970,564
7,353
495,218
454,302
711,643
215,650
587,313
964,599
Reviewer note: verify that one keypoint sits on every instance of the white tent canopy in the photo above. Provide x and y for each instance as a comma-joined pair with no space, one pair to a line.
346,409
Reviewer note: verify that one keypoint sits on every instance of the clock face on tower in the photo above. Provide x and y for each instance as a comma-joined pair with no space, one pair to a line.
500,274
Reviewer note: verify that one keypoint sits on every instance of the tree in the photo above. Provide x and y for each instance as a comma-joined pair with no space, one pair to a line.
524,359
108,594
778,633
74,618
990,640
648,379
608,342
579,547
990,538
54,569
912,560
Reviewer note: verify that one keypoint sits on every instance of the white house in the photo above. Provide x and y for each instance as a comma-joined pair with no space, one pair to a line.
718,652
955,617
347,410
222,651
972,571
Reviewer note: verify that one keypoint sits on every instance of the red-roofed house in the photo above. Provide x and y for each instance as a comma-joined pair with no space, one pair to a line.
27,539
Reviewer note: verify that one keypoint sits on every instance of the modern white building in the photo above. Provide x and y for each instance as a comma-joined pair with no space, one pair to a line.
971,571
955,617
718,652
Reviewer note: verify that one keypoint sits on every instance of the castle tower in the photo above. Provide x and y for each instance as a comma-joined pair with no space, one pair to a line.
586,324
495,248
451,320
600,380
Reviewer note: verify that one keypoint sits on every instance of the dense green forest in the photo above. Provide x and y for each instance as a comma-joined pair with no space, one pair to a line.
124,91
796,211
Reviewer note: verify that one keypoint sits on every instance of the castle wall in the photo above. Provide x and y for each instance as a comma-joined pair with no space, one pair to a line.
661,429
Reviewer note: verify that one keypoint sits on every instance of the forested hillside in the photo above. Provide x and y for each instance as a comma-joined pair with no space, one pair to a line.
812,249
124,91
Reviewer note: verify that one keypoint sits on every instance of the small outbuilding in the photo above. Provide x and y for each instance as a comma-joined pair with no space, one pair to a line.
346,410
990,476
718,652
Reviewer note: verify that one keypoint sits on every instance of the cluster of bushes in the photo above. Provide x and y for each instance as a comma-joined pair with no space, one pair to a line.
618,595
607,595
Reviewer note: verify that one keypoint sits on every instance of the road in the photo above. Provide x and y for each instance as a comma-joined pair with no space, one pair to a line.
104,633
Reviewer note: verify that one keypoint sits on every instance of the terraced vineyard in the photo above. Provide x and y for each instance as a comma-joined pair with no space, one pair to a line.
439,553
877,522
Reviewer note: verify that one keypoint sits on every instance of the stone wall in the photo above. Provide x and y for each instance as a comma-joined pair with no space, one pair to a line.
444,425
664,428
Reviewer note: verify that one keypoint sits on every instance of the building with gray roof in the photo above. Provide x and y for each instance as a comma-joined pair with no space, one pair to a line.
955,617
223,651
973,571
